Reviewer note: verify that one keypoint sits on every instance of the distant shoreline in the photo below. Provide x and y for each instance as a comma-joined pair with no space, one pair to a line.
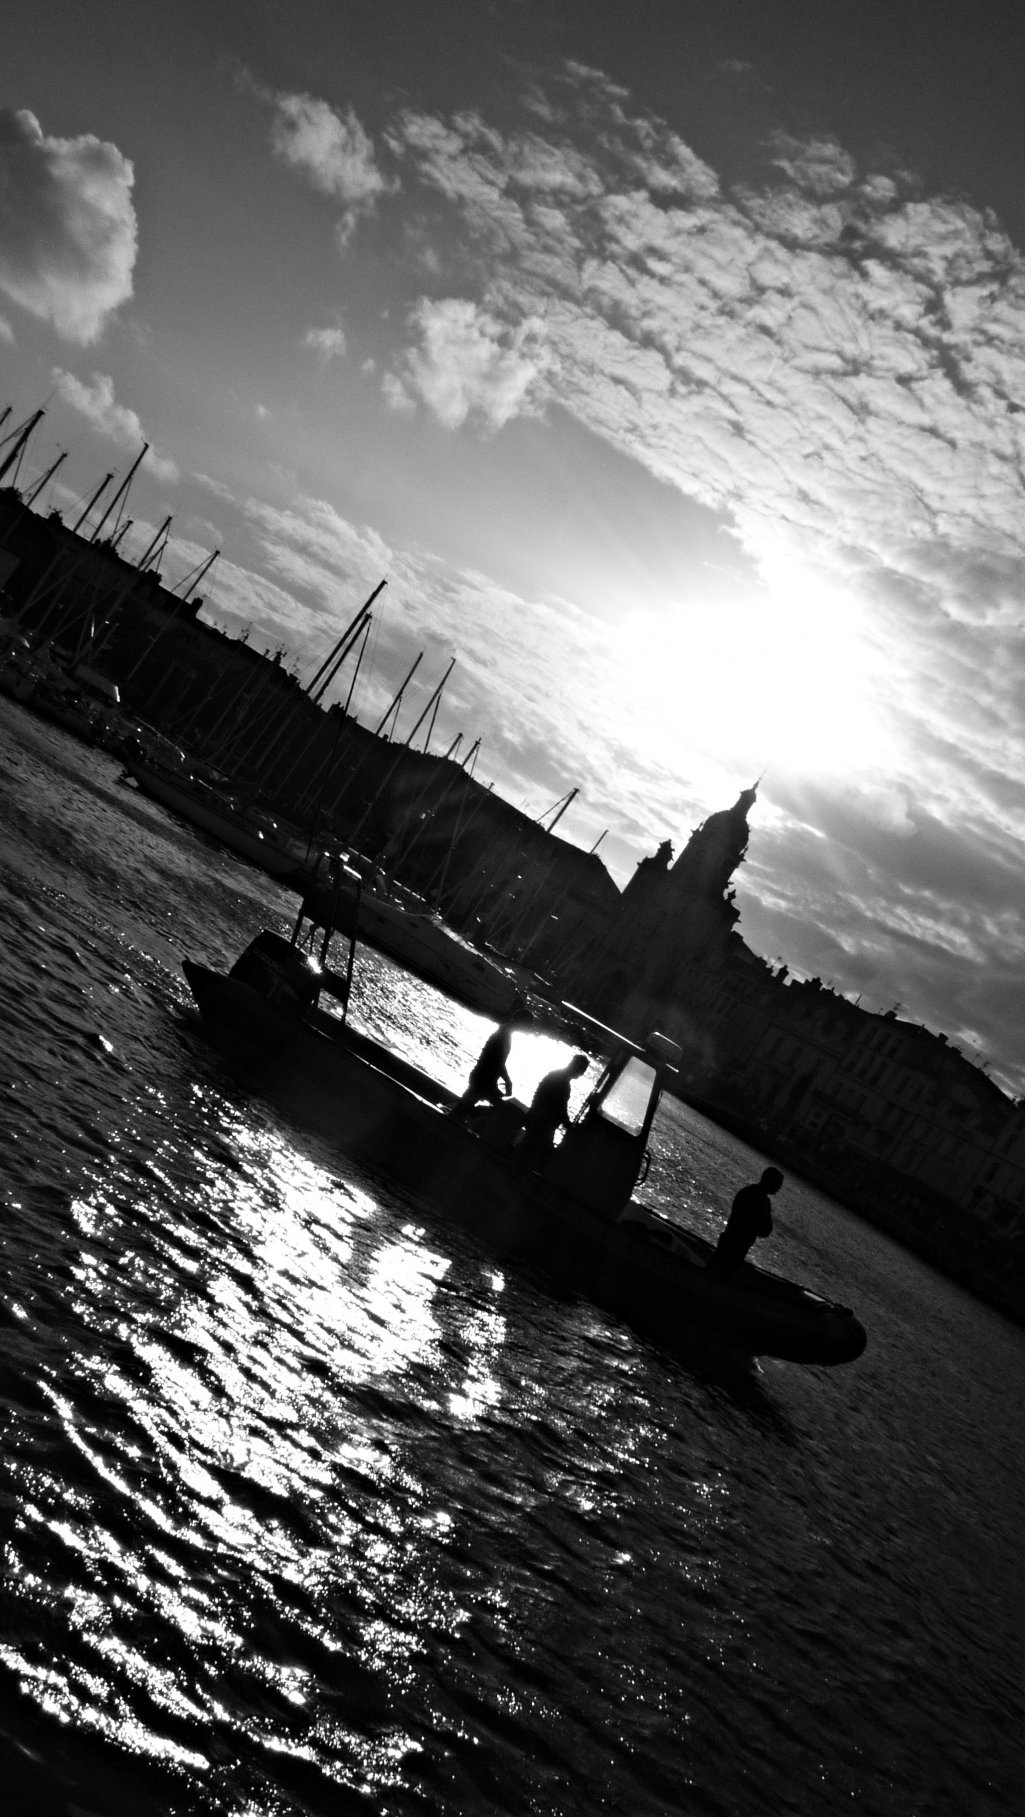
926,1224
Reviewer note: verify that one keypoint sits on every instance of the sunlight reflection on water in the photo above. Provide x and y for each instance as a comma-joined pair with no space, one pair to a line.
235,1424
308,1505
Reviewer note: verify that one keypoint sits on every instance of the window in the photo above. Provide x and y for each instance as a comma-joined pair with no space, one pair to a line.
626,1105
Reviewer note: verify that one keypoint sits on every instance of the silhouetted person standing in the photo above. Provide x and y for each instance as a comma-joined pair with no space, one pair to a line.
549,1111
489,1079
750,1218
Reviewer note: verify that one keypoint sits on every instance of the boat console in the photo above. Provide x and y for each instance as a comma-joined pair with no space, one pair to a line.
604,1152
280,972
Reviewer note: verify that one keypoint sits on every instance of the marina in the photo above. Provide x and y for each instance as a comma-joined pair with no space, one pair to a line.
310,1501
394,921
512,958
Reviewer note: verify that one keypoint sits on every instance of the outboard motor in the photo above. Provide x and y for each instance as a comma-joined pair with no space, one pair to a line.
288,978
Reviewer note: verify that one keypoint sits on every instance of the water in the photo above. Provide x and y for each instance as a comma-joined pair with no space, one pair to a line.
308,1506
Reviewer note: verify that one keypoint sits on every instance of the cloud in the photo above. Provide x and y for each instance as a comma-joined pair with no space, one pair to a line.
526,670
866,888
832,360
327,343
466,362
96,402
826,355
67,226
6,331
331,150
195,526
928,916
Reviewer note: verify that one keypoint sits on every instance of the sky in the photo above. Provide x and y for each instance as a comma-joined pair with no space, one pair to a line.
667,361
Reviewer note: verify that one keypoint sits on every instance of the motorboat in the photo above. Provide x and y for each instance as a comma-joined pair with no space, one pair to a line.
281,1015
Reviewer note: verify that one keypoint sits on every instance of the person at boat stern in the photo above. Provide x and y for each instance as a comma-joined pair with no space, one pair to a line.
549,1112
750,1218
489,1078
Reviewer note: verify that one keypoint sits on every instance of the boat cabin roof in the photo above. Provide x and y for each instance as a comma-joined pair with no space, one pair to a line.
604,1035
660,1046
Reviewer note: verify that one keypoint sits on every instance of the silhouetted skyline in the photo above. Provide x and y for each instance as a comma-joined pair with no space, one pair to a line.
670,364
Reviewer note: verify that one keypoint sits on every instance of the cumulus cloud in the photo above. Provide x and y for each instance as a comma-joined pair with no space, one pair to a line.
6,331
930,918
327,343
832,360
828,352
97,403
67,226
465,362
332,150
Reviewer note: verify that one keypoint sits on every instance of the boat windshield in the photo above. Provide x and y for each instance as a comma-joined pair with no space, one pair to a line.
626,1105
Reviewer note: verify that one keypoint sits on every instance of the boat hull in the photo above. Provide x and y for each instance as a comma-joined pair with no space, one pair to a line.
424,944
355,1093
217,822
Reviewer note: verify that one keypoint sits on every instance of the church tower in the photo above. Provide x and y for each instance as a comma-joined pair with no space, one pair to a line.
714,851
670,917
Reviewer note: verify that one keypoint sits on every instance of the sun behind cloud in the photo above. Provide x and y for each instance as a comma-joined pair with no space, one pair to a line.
787,675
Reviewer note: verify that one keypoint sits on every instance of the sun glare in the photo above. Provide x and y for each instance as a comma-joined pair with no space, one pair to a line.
786,677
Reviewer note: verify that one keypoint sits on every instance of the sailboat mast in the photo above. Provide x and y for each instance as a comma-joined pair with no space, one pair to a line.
565,802
20,441
191,580
144,560
48,475
102,487
367,622
122,491
333,662
433,702
396,701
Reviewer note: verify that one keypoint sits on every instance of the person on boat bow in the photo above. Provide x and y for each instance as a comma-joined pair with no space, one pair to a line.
489,1079
549,1112
750,1218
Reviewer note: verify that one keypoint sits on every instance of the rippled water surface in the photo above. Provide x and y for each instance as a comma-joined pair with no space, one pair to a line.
308,1505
